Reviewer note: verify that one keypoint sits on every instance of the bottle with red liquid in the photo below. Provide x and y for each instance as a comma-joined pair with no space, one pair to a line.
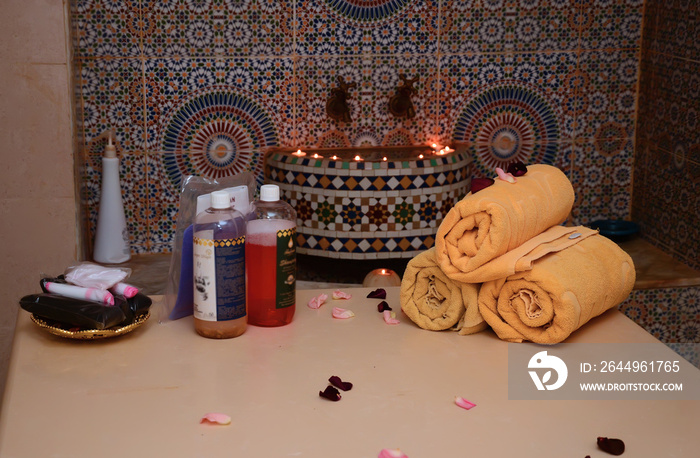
271,266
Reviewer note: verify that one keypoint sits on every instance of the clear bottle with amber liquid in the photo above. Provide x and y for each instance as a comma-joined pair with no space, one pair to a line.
271,260
220,309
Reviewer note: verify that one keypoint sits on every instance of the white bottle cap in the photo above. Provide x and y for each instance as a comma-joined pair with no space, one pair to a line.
239,198
269,193
220,199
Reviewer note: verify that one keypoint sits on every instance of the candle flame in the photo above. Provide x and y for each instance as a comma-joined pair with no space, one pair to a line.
299,153
383,271
358,158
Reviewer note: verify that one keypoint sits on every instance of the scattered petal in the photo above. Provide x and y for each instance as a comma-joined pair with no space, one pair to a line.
392,453
390,317
377,294
517,169
478,184
216,418
342,313
337,382
338,294
611,446
317,301
330,393
505,176
463,403
383,306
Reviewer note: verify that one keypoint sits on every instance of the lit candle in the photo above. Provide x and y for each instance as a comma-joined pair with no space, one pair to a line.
358,158
299,153
420,156
384,158
335,158
434,146
317,156
448,149
382,277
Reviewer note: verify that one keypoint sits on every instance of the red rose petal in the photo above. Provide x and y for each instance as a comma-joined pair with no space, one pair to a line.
338,383
330,393
480,183
377,294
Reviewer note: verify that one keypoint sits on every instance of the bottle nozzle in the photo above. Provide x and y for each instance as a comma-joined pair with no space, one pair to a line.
110,149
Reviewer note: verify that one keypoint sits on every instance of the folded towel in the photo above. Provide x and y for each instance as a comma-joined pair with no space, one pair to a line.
502,217
433,301
561,292
522,258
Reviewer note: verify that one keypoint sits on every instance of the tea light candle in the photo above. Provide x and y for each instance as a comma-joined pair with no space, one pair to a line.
358,158
317,156
299,153
381,277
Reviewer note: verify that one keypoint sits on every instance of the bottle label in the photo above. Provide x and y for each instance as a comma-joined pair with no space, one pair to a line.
219,279
286,268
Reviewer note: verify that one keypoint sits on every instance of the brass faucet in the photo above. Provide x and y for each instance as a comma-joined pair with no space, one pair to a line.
337,106
400,104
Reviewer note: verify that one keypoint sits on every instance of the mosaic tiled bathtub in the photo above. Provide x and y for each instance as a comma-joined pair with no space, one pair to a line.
368,203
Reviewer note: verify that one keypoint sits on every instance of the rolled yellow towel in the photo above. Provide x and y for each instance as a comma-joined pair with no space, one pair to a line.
562,292
522,258
497,219
435,302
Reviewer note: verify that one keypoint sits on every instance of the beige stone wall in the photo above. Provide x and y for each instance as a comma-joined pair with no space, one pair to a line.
37,196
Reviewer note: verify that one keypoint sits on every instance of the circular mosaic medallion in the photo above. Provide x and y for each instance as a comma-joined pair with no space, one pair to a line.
222,134
507,122
367,11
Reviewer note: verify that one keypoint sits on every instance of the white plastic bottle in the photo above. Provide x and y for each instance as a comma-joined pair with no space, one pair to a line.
112,236
218,252
271,260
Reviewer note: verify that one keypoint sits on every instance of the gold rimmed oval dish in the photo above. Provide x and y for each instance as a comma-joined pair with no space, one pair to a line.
88,334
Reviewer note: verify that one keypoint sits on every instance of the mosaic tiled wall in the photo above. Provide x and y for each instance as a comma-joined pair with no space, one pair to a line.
672,315
667,165
206,86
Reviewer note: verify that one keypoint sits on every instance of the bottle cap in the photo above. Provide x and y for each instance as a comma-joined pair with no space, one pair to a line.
220,199
269,193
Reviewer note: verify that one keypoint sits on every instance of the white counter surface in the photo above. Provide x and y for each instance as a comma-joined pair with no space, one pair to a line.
144,393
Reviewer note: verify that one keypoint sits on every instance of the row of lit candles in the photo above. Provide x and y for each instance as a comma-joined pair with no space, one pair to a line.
436,150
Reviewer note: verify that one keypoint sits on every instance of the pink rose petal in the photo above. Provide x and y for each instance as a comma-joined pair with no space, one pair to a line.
342,313
463,403
504,175
317,301
392,453
338,294
390,317
216,418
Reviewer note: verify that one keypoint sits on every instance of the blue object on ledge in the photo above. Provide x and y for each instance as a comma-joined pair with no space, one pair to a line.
616,230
